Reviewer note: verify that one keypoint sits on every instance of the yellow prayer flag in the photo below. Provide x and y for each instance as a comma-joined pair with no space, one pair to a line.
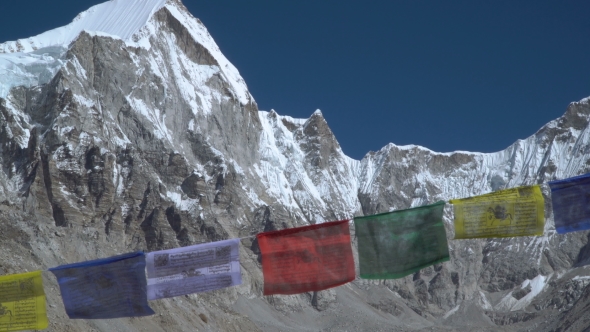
512,212
22,302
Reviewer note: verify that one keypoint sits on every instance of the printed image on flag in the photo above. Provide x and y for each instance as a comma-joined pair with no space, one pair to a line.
395,244
193,269
22,302
104,288
571,203
512,212
305,259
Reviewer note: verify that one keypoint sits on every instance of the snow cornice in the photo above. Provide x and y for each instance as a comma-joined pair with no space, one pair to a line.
115,18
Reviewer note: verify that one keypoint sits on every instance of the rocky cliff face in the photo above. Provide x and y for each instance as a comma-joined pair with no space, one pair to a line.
147,138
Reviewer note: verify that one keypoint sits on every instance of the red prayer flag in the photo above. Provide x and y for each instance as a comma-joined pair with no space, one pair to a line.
305,259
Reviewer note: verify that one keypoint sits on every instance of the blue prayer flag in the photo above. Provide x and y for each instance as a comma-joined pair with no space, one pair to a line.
571,203
105,288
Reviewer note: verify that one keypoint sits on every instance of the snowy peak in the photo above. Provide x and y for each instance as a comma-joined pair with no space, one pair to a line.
118,18
134,22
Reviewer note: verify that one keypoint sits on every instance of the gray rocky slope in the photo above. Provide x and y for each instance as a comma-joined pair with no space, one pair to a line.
152,141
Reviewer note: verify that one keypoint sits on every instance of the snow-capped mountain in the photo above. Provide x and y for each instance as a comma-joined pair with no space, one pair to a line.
128,129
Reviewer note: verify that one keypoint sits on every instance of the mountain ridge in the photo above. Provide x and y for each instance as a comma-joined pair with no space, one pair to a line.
133,148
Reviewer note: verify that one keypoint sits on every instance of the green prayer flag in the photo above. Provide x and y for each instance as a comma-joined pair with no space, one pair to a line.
395,244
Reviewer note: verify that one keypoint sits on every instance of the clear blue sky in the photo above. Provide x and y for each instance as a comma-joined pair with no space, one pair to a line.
449,75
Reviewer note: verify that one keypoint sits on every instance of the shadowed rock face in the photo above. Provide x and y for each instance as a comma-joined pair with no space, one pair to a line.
129,148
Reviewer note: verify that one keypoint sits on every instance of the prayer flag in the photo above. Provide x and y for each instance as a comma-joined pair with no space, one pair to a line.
395,244
104,288
193,269
512,212
22,302
305,259
571,203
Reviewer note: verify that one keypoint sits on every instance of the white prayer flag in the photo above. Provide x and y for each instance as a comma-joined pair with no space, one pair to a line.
193,269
